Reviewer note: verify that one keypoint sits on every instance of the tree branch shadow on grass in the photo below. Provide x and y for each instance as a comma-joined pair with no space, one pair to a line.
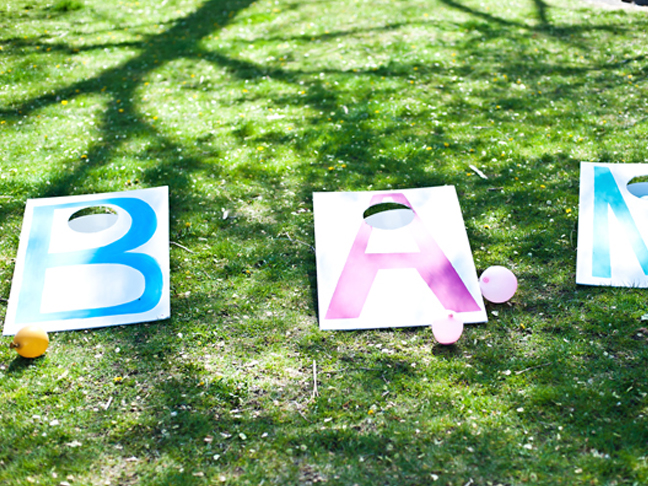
121,121
541,9
564,34
126,119
366,440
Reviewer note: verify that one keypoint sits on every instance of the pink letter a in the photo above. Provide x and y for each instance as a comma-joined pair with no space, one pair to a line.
361,269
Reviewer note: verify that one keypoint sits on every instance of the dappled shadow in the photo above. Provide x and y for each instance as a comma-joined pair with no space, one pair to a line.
123,120
479,14
174,402
541,8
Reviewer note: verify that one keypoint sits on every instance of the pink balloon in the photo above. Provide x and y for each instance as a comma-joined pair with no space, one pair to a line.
498,284
447,329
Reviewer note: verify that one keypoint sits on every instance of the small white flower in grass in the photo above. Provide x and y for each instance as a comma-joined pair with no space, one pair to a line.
521,409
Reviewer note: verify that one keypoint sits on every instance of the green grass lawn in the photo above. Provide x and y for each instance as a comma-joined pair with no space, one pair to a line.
244,109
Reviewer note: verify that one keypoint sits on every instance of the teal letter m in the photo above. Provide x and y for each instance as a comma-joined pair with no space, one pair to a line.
607,194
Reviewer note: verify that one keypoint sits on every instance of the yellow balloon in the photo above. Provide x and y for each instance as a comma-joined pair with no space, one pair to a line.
30,342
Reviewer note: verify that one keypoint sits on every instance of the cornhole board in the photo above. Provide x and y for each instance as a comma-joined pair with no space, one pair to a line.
104,269
400,268
612,226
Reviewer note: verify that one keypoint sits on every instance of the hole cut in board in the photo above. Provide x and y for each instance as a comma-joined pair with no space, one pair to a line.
93,219
388,215
638,187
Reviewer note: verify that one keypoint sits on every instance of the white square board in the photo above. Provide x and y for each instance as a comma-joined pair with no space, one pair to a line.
612,226
77,271
405,272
